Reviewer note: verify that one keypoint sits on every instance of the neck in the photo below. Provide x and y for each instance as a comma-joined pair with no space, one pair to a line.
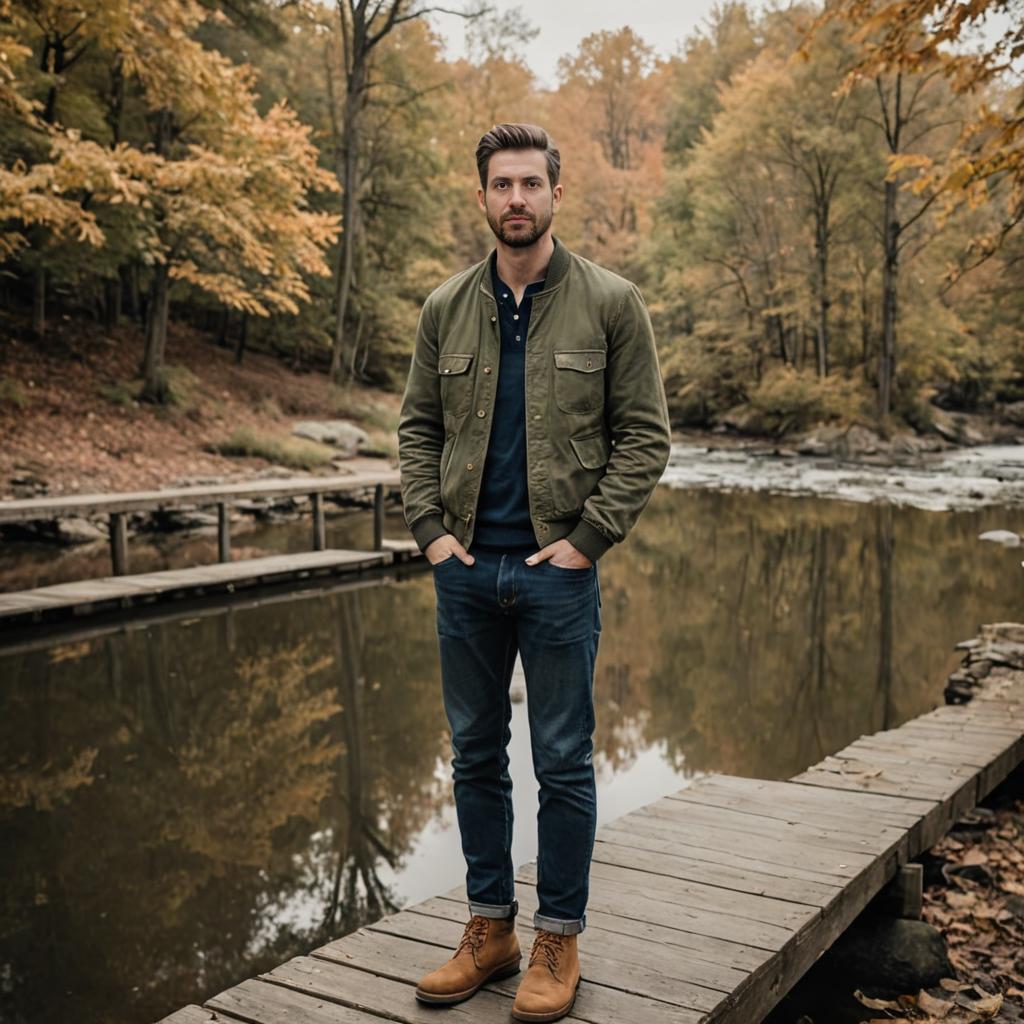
518,267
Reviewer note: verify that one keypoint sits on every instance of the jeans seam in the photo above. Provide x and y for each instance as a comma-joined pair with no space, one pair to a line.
505,709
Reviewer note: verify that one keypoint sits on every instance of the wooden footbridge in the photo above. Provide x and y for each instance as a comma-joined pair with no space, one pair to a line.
123,591
705,906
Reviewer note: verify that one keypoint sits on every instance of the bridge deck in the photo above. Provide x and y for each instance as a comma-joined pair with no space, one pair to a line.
707,905
69,600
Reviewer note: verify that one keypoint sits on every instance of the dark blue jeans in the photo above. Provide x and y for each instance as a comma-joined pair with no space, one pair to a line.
486,613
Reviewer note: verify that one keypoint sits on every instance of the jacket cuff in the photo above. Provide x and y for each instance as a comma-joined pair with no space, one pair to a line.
427,529
589,540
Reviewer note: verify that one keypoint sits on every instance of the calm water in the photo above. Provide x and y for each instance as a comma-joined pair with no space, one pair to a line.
187,803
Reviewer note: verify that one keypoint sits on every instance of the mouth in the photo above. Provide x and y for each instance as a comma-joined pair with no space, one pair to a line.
518,220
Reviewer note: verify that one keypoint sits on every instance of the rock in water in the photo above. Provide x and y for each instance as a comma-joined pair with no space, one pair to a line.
339,434
1007,538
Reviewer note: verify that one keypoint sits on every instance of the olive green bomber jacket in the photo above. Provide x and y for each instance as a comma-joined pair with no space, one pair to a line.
597,430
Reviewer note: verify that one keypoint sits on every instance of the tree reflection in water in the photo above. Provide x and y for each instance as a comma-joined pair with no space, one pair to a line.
186,805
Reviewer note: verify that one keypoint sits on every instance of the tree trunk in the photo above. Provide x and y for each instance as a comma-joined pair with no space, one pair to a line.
821,246
351,130
243,334
111,302
890,277
39,303
154,385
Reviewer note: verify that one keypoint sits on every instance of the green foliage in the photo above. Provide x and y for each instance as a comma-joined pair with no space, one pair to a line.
788,401
11,395
119,393
283,450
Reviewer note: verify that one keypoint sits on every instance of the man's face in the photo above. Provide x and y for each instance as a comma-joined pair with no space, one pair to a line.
519,201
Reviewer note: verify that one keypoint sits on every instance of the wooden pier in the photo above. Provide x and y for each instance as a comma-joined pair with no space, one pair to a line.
124,592
707,905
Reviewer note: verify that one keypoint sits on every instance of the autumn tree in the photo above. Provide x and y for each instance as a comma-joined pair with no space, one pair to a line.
363,26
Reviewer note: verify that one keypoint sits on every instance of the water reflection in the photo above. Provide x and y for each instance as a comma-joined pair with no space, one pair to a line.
188,804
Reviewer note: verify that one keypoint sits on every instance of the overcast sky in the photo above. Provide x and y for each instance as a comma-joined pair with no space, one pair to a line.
663,24
563,23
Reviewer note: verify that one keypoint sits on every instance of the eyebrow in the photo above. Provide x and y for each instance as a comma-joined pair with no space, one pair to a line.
504,178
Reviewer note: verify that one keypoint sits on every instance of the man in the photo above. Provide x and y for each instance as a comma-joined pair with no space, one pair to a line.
533,430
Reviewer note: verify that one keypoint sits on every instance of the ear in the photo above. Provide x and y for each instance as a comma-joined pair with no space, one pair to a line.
480,199
556,196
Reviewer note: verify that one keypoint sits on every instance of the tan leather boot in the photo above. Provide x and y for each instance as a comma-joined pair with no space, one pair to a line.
548,988
488,951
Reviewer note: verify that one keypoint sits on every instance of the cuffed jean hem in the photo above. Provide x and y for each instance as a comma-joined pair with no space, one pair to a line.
552,924
502,913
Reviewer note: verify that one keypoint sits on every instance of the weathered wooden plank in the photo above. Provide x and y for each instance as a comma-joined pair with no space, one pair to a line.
405,959
257,1001
394,999
693,895
813,832
190,1015
950,806
833,811
252,570
784,793
689,944
663,837
660,862
671,962
840,863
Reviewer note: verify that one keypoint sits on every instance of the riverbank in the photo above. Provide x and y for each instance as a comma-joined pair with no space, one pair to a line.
71,424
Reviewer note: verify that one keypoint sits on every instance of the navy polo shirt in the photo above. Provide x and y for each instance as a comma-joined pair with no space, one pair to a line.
503,509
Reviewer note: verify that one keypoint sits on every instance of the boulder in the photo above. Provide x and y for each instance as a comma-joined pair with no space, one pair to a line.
1007,538
78,530
341,434
885,956
1013,413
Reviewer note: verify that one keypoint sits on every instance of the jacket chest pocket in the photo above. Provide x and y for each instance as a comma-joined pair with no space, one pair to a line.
579,379
456,383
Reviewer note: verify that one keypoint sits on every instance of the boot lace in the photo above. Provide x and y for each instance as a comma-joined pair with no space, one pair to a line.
473,936
547,949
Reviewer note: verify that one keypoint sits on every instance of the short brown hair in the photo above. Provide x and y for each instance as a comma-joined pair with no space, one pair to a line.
517,136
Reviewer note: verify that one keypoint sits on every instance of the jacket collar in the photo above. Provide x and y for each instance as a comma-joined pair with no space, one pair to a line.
557,269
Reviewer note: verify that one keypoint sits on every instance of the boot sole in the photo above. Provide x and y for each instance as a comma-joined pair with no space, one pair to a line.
541,1018
450,999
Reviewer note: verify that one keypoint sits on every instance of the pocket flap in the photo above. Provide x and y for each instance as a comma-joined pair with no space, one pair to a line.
454,363
586,360
592,450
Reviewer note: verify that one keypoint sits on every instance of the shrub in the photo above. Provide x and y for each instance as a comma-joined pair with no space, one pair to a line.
11,395
295,452
788,400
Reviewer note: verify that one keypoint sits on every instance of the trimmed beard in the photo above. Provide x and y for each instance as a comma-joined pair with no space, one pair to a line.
524,239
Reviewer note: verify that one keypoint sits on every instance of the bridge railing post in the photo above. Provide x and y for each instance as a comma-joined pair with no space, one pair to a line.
319,526
119,543
378,517
223,533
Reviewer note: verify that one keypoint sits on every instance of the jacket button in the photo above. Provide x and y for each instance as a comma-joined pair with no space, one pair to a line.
447,369
469,465
536,416
487,369
481,413
589,363
494,319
